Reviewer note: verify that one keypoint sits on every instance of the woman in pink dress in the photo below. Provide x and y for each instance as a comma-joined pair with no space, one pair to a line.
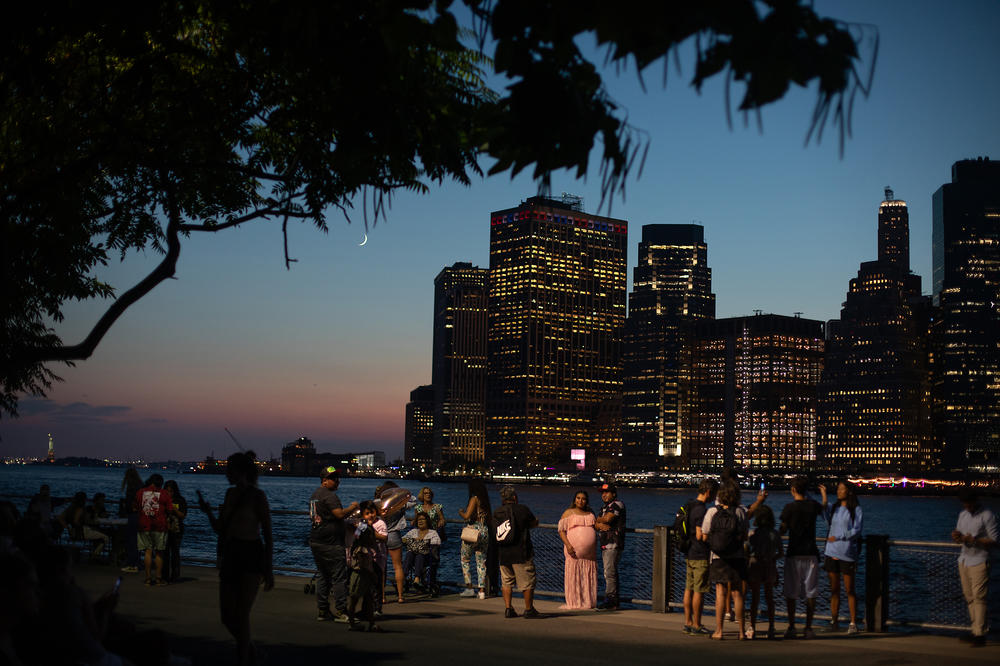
576,529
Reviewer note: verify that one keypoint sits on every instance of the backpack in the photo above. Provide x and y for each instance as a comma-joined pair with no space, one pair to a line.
506,532
724,535
682,531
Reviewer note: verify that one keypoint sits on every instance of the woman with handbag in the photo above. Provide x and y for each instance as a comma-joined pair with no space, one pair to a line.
475,537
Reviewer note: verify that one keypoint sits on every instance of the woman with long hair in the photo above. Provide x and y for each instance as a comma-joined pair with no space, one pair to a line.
175,531
579,537
245,550
128,508
843,545
477,514
762,570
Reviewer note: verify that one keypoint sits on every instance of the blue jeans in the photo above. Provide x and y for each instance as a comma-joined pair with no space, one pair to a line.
331,562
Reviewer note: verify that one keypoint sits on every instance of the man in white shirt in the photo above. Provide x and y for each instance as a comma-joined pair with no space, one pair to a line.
977,532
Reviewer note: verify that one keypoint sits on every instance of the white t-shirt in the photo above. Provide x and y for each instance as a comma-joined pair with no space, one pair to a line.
706,526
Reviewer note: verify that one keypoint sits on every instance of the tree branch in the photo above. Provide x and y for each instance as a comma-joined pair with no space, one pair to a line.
163,271
261,212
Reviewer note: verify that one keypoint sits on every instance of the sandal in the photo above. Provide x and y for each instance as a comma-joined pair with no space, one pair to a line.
149,581
749,634
160,582
716,638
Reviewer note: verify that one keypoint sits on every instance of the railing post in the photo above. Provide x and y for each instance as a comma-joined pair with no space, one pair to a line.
877,582
662,566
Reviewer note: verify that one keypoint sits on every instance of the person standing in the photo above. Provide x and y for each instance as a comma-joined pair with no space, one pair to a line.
154,504
326,540
798,521
843,545
611,524
245,551
576,530
696,559
515,552
977,532
128,509
724,529
175,531
477,516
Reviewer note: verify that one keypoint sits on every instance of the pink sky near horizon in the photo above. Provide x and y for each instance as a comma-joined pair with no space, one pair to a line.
332,348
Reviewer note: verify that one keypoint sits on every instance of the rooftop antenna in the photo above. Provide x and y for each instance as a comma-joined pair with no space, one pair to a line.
758,312
233,437
797,314
889,195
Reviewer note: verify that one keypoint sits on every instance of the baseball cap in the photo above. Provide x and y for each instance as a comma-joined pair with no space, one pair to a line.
330,472
609,488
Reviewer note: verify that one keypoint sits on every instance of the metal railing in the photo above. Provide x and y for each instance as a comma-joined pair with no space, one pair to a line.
899,582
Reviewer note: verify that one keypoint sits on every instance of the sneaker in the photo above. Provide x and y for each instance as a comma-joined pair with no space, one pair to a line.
532,613
378,613
324,616
341,618
482,594
688,629
790,633
702,630
130,569
510,612
730,616
467,592
808,633
853,628
749,634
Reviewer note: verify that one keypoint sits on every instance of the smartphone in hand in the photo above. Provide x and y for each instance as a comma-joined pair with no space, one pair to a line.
117,586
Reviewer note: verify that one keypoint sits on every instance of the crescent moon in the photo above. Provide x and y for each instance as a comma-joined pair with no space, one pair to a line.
362,243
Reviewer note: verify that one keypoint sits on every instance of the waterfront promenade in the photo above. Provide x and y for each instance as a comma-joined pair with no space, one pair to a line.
448,630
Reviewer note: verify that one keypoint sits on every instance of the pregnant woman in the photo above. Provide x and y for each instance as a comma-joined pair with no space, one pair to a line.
576,529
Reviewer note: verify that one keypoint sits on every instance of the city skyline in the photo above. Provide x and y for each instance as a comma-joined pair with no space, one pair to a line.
331,349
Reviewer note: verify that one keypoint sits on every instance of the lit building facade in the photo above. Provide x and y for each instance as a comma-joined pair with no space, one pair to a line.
966,334
556,313
418,437
671,289
752,396
874,398
459,364
298,457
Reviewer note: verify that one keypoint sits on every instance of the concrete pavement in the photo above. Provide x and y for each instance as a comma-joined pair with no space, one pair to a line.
444,631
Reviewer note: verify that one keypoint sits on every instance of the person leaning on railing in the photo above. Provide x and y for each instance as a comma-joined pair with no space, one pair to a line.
977,532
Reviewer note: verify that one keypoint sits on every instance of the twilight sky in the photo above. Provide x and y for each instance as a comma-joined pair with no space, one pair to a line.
331,349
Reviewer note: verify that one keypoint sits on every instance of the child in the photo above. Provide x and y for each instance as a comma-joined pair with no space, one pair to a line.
361,591
765,549
381,555
422,545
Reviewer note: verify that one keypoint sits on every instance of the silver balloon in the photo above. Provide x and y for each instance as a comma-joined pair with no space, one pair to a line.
392,501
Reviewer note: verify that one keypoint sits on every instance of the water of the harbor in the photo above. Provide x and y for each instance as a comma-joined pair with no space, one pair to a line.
906,517
903,516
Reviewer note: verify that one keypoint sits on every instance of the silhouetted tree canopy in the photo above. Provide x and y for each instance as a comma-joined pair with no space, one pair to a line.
130,126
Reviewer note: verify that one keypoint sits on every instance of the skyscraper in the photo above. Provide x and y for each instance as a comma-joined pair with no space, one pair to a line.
418,438
966,334
671,288
753,392
459,364
556,312
874,398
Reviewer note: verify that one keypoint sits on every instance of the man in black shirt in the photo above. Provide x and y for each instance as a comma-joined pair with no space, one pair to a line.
515,552
326,540
696,559
798,520
611,524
